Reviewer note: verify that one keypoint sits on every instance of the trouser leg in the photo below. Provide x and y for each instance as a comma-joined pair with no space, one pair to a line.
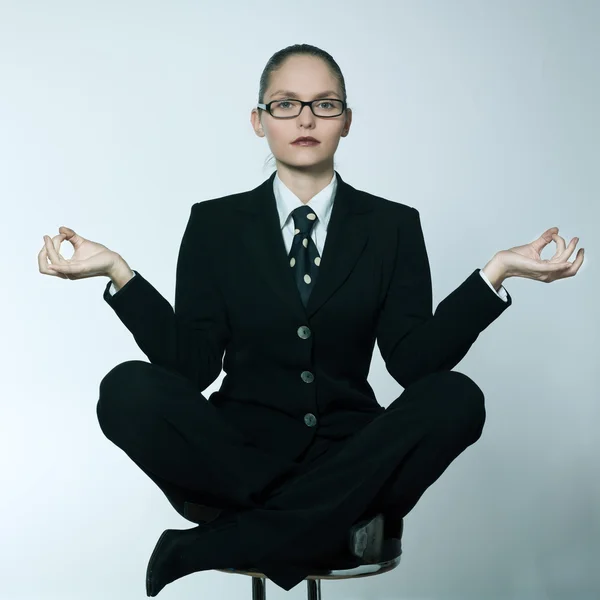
178,438
457,426
402,451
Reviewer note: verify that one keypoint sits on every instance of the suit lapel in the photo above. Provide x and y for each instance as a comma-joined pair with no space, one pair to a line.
262,240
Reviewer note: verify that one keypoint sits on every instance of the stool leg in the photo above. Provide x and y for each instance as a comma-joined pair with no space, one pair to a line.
258,588
314,589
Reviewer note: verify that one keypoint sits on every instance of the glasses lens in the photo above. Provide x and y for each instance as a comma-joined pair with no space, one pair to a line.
322,108
328,108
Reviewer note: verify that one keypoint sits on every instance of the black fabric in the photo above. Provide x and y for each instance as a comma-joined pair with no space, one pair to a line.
238,309
296,374
292,516
304,256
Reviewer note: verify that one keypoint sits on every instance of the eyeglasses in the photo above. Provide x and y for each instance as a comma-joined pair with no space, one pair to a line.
325,108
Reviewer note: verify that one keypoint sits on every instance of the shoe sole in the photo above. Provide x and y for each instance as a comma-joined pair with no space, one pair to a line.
366,539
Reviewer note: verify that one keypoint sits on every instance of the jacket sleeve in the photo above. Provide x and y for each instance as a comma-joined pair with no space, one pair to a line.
414,342
190,339
112,290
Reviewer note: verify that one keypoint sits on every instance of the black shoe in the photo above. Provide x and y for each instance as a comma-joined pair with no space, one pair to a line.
366,539
393,527
181,552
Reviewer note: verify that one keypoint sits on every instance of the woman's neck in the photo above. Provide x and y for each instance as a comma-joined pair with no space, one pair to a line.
305,182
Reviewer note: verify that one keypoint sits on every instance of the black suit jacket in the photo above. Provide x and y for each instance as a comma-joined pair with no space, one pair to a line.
292,371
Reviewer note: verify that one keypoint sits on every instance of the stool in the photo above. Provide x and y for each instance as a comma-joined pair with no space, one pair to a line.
390,559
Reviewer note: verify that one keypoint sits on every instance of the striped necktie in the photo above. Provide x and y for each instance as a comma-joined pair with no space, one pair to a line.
304,256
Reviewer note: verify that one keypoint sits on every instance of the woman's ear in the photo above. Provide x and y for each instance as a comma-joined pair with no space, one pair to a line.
348,122
256,123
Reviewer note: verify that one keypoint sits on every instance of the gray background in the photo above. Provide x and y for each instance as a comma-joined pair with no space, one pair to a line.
117,116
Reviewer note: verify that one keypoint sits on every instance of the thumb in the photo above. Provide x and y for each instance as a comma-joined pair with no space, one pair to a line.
70,235
544,239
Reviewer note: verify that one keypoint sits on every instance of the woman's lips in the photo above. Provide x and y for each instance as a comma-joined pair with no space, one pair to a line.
305,143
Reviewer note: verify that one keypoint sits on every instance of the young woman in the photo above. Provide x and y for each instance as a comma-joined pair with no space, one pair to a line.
293,282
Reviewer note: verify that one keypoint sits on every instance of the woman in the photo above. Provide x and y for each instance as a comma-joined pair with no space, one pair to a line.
294,446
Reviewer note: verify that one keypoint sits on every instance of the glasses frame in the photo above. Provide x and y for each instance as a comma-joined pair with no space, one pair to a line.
267,107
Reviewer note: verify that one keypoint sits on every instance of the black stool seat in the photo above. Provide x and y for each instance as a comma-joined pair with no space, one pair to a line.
392,550
346,569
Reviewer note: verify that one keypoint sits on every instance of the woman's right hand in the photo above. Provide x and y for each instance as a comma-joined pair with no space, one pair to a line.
90,259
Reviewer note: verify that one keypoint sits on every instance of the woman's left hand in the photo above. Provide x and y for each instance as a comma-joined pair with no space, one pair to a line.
525,261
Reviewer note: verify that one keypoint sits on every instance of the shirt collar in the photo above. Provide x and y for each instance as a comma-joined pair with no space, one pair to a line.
287,201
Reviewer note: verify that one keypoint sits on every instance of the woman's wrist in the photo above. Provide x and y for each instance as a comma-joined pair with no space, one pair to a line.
495,272
120,273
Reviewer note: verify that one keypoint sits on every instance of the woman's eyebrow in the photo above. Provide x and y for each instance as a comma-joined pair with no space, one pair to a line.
291,94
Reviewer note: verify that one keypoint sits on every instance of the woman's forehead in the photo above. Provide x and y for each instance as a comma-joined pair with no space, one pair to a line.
298,94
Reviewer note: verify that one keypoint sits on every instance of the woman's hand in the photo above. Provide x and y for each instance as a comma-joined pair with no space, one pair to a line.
90,259
525,261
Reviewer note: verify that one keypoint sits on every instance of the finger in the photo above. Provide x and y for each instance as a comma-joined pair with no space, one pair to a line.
52,254
43,264
547,266
566,252
56,273
544,239
46,268
569,270
66,268
54,243
57,240
71,236
560,244
562,269
59,268
563,265
549,232
574,266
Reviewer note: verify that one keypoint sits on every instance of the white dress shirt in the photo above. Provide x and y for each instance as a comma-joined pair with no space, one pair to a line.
321,203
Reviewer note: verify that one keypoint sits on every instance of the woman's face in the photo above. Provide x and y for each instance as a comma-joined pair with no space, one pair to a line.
308,77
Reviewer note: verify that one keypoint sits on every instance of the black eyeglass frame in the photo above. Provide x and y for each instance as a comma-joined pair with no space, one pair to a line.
267,107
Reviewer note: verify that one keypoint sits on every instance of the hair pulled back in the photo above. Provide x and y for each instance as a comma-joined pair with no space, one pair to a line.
276,62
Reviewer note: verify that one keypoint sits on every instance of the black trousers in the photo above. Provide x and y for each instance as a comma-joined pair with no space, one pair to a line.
179,439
